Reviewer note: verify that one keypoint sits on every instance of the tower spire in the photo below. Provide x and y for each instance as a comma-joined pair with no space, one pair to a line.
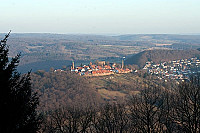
122,63
73,65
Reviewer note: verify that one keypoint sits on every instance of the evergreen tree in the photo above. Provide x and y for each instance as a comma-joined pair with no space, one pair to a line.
17,101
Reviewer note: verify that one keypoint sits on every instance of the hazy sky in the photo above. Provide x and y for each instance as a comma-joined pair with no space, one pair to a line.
100,16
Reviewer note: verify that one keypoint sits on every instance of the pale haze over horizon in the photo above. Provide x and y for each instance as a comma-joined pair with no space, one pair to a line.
101,16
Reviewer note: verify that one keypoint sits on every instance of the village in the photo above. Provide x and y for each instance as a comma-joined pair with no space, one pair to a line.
100,68
177,69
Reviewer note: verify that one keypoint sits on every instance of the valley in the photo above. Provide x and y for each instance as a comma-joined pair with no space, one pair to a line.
40,47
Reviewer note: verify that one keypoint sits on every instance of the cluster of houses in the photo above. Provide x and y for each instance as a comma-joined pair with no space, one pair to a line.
177,69
99,69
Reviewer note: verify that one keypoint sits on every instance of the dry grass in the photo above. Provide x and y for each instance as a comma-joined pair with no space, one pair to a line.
107,94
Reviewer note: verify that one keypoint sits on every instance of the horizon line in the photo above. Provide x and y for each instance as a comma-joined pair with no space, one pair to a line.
105,34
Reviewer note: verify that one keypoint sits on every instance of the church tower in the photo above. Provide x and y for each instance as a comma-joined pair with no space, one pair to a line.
72,67
122,63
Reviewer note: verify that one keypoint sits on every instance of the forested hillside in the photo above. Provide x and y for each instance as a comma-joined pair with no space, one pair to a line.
158,56
58,89
153,110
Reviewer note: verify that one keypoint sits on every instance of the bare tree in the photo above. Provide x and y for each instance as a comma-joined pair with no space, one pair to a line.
188,106
112,118
69,120
146,110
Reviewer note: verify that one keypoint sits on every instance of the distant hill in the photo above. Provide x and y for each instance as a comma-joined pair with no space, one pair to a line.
46,65
175,37
40,47
158,56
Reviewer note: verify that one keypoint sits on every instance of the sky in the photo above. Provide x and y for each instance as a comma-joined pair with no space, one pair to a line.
100,16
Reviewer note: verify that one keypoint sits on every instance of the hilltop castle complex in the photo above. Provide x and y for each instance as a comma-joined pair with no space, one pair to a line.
101,68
